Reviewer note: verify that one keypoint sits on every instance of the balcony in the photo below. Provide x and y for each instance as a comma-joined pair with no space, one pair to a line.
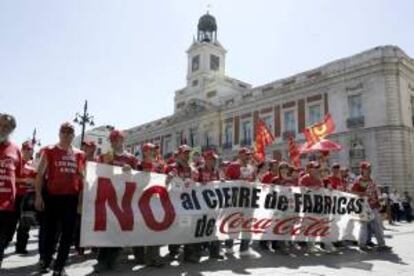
288,133
356,122
227,146
247,142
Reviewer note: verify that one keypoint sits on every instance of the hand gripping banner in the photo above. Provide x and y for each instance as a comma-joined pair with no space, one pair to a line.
137,208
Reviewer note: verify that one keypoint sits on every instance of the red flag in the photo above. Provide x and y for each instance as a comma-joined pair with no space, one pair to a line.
264,137
319,130
294,153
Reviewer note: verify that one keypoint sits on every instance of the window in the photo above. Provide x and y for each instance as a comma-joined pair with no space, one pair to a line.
195,63
99,141
412,109
99,151
208,139
228,135
195,83
355,106
315,114
214,62
167,145
180,139
268,122
289,120
211,94
246,132
180,105
193,137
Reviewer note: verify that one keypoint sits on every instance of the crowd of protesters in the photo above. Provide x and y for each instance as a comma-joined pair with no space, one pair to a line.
53,187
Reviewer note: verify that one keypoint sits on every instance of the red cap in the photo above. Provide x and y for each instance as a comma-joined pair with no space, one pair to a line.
313,165
210,154
67,126
148,147
364,165
89,143
336,165
184,148
244,150
115,134
28,145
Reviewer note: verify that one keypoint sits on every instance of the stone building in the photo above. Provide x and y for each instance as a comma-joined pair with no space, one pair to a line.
370,96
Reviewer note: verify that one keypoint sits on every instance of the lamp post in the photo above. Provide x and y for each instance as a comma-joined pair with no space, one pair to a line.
83,120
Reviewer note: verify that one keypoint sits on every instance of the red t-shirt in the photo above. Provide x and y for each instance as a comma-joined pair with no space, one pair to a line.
335,183
10,169
268,177
64,170
367,187
28,171
310,182
121,160
183,171
278,180
151,167
205,175
237,172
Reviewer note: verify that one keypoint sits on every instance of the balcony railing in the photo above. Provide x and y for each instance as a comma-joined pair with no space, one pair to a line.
246,142
227,146
356,122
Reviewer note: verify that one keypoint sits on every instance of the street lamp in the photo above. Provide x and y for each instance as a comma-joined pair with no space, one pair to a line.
35,141
83,120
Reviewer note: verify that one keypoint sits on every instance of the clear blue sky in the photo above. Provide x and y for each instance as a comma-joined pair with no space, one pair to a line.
128,57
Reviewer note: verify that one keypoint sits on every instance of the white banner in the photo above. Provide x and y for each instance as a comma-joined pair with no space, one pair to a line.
137,208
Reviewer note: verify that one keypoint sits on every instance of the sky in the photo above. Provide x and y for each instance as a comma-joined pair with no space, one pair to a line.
127,57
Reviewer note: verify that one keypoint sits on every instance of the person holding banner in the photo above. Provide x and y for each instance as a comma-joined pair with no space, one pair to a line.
312,179
10,170
268,177
283,177
206,173
364,186
64,168
25,189
334,180
117,156
241,169
182,169
150,254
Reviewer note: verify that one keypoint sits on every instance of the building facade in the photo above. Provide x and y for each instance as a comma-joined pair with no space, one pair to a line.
100,135
370,96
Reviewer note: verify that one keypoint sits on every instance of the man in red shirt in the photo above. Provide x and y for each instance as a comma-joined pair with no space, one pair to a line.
312,179
268,177
206,173
241,169
334,180
117,156
64,168
182,169
364,186
149,255
10,170
25,189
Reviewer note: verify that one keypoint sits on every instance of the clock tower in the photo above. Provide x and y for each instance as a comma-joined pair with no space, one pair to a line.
206,56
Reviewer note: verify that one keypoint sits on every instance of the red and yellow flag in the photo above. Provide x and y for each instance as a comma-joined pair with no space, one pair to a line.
264,137
319,130
294,153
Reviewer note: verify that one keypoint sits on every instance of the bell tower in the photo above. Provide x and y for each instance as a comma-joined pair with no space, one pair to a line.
206,56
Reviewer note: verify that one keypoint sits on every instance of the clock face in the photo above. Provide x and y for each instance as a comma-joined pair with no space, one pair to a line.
214,62
195,64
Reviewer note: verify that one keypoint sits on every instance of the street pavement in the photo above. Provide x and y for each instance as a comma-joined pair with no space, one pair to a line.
347,262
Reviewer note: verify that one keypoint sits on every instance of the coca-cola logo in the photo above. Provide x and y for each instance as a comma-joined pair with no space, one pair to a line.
307,226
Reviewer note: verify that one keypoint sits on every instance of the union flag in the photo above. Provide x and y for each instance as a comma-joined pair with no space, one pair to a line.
294,153
320,130
264,138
